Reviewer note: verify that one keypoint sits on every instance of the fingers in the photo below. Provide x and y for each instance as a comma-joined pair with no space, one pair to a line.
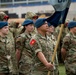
50,66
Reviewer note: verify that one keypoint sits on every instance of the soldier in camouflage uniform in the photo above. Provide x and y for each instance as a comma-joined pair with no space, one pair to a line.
24,52
13,61
69,49
14,28
50,33
3,16
5,48
43,49
31,15
56,33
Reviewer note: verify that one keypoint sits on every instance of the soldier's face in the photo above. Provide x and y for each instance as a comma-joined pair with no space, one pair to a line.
4,30
74,30
51,29
30,28
44,27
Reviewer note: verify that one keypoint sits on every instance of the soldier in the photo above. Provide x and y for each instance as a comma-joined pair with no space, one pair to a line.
64,32
43,49
31,15
14,28
5,47
3,16
69,49
50,33
24,52
13,61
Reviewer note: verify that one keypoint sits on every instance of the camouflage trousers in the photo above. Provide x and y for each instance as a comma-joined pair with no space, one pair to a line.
70,68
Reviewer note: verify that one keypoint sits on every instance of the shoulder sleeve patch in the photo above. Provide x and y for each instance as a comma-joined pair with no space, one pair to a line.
32,42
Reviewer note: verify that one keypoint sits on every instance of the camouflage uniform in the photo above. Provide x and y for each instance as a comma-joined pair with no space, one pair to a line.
26,61
65,31
44,45
69,43
14,28
13,66
6,54
3,16
3,55
13,61
30,15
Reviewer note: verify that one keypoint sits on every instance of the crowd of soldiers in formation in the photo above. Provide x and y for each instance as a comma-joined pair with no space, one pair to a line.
27,48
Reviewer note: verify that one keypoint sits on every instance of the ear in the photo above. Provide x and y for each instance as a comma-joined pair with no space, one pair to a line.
25,26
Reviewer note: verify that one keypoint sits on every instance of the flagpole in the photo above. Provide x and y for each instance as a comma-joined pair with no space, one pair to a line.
56,47
52,20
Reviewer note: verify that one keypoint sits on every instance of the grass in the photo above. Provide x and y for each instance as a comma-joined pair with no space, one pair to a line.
61,70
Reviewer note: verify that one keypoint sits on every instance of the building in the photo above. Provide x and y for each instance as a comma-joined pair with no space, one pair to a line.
19,7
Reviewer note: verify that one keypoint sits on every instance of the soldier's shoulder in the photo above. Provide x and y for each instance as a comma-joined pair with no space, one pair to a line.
34,37
33,40
22,35
67,37
68,34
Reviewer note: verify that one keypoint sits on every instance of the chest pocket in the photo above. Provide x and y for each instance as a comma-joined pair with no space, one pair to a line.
46,48
26,42
5,47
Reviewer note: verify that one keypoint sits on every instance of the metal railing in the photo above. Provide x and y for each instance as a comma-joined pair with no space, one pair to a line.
6,2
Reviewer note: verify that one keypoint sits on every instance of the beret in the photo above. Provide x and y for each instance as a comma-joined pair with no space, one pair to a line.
72,24
27,22
40,22
2,24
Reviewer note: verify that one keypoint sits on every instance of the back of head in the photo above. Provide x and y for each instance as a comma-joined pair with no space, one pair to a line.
13,24
2,15
30,15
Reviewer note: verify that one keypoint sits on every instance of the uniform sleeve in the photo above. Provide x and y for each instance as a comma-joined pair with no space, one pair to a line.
36,46
19,43
66,42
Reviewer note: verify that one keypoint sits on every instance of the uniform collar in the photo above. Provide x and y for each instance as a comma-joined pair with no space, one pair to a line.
43,37
3,39
73,34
